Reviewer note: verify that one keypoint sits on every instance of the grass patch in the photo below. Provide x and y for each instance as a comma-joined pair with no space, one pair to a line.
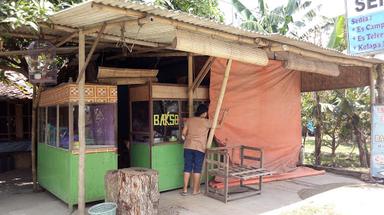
346,156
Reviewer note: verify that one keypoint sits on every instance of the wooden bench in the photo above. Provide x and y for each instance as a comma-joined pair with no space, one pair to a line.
221,163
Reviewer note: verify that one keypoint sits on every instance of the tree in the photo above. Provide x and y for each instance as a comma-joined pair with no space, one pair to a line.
354,103
284,20
24,13
203,8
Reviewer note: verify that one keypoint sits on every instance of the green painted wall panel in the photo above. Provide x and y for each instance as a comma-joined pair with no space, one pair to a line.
139,154
96,165
168,159
58,173
53,170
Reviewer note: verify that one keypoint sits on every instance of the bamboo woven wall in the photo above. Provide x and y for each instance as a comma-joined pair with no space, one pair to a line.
351,76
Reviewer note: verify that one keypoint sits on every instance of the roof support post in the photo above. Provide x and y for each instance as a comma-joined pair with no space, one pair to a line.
219,103
81,82
372,85
89,56
190,82
380,84
35,105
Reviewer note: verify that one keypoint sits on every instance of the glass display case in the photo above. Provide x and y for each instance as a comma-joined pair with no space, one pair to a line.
157,113
58,140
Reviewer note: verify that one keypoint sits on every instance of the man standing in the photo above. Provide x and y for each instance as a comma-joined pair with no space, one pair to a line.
195,133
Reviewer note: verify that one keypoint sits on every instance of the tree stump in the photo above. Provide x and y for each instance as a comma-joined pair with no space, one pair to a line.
134,190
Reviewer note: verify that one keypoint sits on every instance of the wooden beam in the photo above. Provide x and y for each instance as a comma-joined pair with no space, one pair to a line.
139,52
203,72
219,103
114,38
89,56
25,52
81,126
27,35
118,22
190,82
65,39
57,27
161,54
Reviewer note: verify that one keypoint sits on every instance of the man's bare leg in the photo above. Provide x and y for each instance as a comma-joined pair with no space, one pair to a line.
186,181
196,183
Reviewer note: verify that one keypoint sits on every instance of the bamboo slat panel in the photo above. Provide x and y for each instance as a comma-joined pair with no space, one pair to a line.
110,72
197,43
349,77
126,81
298,63
177,92
67,93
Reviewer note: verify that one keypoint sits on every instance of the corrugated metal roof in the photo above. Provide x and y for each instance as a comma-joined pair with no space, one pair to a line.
17,88
84,15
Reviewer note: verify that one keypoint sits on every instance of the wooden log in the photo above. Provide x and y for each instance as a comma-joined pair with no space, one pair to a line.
134,190
197,43
110,72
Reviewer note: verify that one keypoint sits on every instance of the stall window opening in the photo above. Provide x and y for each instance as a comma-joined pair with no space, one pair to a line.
166,121
52,125
99,121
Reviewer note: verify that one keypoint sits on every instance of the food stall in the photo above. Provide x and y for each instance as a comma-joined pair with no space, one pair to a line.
157,112
58,145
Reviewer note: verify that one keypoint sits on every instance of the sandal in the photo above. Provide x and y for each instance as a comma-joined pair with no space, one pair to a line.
183,193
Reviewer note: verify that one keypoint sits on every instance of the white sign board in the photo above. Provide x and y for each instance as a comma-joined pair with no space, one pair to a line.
365,26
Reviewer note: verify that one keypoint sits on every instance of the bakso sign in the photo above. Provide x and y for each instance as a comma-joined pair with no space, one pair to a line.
365,26
166,119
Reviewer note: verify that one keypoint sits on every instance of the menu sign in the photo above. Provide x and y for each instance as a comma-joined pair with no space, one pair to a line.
365,26
377,142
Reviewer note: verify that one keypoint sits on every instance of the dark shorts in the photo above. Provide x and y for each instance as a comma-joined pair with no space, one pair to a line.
193,160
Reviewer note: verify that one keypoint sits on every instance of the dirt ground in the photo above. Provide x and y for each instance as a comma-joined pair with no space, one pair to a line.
324,194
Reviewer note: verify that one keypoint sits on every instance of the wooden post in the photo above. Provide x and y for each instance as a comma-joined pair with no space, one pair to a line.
380,84
372,85
35,104
190,82
89,56
219,103
373,101
19,121
81,81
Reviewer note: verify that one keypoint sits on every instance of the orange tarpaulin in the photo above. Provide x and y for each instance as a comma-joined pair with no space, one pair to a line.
264,110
